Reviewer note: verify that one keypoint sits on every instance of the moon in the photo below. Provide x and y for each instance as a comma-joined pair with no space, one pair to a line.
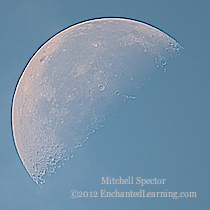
75,80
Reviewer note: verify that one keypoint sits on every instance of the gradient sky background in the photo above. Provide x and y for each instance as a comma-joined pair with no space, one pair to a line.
163,134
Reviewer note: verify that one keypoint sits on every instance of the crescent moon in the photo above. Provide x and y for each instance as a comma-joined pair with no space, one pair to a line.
74,80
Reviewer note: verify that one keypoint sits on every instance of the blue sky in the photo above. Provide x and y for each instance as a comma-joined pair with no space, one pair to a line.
163,134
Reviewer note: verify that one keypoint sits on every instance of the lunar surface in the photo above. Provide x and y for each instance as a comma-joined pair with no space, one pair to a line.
75,80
